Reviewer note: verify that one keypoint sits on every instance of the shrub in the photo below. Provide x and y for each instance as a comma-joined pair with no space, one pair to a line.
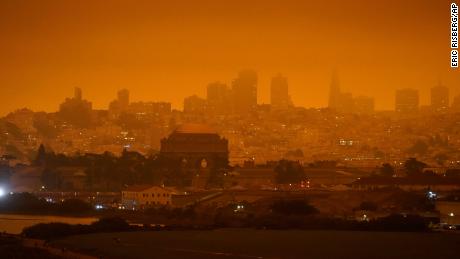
293,207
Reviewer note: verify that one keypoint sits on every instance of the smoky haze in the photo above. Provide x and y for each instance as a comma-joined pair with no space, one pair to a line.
167,50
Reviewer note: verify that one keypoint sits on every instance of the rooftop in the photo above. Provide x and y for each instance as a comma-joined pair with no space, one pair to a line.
195,128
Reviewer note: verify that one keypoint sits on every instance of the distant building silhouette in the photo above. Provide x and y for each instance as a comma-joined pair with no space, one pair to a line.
279,93
334,92
76,110
150,108
218,97
123,98
456,104
244,89
195,105
116,107
439,98
406,100
78,95
338,100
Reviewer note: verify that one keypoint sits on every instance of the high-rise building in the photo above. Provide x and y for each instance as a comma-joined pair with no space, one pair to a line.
456,104
334,92
338,100
150,108
194,104
439,98
244,90
116,107
123,98
218,96
364,105
406,100
76,110
78,95
279,93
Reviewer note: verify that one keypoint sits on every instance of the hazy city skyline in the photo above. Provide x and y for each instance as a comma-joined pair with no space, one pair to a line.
49,48
237,129
425,100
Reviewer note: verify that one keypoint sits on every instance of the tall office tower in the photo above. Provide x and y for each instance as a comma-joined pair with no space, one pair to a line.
335,95
194,104
406,100
244,90
76,110
119,105
364,105
78,95
456,104
218,96
439,98
279,93
123,99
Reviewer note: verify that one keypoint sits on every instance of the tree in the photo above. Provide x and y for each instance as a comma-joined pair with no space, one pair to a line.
51,179
441,158
368,205
43,125
293,207
289,172
41,155
387,170
414,167
419,147
453,172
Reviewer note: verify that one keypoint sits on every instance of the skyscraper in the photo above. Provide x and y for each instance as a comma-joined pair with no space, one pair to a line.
123,98
456,104
279,93
334,92
76,110
119,105
406,100
338,100
194,104
78,95
218,96
244,90
439,98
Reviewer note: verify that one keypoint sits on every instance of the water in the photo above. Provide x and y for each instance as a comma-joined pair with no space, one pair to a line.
15,223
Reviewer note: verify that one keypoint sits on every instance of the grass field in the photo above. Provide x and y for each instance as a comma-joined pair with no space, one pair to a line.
245,243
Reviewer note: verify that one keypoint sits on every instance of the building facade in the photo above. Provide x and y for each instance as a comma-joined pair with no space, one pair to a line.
439,98
198,150
244,89
407,100
143,196
218,97
279,93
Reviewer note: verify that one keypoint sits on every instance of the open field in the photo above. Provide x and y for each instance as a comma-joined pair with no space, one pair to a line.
246,243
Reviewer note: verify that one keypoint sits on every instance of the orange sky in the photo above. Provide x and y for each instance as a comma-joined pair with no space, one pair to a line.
166,50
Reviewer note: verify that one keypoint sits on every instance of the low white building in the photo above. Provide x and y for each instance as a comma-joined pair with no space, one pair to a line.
142,196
